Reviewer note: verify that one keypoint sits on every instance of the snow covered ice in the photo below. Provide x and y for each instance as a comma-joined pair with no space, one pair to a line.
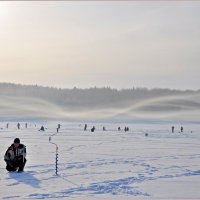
107,164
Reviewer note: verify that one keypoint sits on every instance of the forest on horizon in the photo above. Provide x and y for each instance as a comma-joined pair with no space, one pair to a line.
89,97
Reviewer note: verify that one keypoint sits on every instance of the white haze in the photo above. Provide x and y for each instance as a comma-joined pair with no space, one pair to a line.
177,107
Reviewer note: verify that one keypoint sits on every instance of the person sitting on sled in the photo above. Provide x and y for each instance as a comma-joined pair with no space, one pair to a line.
15,156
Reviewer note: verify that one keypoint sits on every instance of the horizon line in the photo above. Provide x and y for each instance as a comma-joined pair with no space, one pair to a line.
100,87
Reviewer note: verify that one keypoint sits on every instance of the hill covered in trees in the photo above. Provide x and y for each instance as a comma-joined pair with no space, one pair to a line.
33,100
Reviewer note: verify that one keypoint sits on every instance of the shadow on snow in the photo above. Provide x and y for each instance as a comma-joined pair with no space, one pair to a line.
25,178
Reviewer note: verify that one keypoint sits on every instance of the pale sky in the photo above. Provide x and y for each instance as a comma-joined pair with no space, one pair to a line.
115,43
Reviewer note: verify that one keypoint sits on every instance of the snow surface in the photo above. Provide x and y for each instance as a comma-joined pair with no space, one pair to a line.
107,164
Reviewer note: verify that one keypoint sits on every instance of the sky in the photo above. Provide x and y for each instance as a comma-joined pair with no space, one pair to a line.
117,44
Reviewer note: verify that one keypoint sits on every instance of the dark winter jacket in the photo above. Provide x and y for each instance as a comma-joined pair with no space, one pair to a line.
13,153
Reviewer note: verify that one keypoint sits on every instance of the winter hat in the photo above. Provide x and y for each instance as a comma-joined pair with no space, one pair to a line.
17,140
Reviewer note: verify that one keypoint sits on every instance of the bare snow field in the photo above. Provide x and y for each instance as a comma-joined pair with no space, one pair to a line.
107,164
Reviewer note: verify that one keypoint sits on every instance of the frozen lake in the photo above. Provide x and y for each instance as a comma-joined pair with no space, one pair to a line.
107,164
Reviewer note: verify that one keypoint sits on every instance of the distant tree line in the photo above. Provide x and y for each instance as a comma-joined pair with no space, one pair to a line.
90,97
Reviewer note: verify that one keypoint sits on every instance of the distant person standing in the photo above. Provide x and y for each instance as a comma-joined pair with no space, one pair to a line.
172,129
18,125
181,129
57,129
26,125
85,127
7,125
119,129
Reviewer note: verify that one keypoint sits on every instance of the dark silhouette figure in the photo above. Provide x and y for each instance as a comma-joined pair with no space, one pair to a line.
15,156
172,129
93,128
7,125
42,128
119,129
181,129
59,126
26,125
85,127
18,125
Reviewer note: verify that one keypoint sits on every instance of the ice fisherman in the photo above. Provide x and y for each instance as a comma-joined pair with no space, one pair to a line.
125,129
15,156
92,129
172,129
85,127
18,125
42,128
181,129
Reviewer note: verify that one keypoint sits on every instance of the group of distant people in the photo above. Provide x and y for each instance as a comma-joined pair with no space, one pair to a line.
92,129
18,125
127,128
104,128
173,128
